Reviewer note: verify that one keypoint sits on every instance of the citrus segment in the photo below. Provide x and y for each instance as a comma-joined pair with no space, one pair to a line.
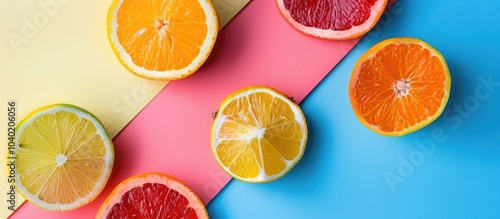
166,39
64,157
332,19
258,135
152,195
399,86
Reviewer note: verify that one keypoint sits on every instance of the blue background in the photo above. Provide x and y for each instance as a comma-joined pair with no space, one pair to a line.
449,169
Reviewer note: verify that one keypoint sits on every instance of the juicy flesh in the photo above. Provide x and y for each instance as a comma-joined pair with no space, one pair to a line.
60,157
259,136
161,35
152,200
401,86
330,14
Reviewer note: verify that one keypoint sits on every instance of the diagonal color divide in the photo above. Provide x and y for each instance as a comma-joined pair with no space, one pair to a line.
57,51
171,134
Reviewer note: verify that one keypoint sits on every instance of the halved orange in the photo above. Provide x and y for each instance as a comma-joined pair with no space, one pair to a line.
332,19
164,39
258,134
152,195
64,157
399,85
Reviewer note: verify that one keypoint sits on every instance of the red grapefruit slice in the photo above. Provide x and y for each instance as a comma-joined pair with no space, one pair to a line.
332,19
152,195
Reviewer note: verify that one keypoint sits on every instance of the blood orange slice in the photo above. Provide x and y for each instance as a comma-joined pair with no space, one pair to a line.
399,86
152,195
332,19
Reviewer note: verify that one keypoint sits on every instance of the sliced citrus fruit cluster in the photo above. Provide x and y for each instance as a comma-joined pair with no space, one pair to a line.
165,39
258,134
399,86
333,20
152,195
64,157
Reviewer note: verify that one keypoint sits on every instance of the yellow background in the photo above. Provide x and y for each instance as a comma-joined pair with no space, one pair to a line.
57,51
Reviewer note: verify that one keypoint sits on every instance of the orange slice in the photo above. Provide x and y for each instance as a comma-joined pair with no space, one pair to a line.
332,19
258,134
64,157
399,86
152,195
165,39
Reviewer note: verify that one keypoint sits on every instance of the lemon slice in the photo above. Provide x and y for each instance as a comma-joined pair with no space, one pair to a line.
258,134
64,157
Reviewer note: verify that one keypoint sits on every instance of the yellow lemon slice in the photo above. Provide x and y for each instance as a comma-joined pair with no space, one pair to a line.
258,134
64,157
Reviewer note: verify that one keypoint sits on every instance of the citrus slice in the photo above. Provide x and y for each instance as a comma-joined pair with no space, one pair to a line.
332,19
164,39
152,195
64,157
399,86
258,134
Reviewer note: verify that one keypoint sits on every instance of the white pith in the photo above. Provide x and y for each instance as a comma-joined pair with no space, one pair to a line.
402,88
